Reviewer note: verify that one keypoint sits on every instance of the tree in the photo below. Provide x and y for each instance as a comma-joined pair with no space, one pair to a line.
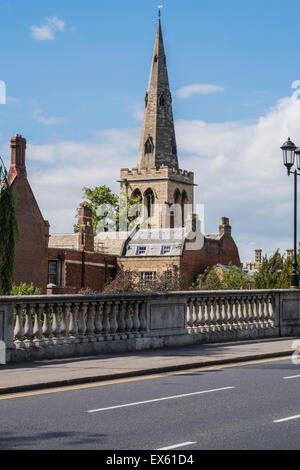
274,272
222,278
8,231
109,212
95,198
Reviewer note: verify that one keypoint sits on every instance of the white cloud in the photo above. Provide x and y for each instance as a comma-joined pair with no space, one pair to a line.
197,88
47,31
238,169
49,121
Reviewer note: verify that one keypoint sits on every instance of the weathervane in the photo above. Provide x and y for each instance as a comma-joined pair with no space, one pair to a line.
159,12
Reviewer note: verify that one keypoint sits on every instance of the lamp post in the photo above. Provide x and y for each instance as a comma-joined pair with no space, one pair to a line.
290,150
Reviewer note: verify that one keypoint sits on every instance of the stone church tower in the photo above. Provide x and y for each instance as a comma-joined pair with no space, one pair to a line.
165,190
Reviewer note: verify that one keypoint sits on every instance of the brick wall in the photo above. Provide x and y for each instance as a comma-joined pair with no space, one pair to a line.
81,269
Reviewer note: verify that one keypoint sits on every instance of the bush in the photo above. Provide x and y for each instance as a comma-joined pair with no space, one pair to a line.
128,281
25,289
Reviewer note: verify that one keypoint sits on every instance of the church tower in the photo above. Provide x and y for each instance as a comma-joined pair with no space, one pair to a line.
165,190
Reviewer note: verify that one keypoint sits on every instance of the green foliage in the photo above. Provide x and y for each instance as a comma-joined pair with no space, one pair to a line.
117,213
94,198
222,278
274,272
8,231
25,289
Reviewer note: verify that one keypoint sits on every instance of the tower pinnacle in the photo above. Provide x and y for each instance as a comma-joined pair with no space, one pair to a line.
158,141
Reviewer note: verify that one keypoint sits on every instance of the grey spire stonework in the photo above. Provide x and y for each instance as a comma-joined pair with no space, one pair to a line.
157,177
158,141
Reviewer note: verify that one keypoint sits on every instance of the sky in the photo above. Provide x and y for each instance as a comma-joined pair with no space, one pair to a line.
76,74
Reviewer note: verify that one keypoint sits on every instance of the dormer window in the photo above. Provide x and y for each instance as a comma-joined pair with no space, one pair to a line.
149,146
155,58
146,100
140,250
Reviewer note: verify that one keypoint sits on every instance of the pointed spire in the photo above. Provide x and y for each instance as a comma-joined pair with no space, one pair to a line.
158,141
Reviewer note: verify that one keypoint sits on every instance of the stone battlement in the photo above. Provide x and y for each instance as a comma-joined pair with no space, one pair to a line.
156,172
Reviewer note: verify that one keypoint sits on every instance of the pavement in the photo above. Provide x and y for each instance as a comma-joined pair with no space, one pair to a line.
70,371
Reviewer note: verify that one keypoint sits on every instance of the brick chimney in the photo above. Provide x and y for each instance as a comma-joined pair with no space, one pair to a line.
86,234
18,151
224,228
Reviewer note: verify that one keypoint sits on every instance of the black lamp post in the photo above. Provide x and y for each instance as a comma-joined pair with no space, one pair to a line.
290,150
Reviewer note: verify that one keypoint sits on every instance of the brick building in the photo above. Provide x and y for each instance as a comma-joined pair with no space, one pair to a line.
63,270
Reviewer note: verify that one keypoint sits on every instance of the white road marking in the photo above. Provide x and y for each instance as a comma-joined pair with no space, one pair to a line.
183,444
286,419
292,377
159,399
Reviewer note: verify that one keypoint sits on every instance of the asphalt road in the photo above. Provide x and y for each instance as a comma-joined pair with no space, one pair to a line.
250,406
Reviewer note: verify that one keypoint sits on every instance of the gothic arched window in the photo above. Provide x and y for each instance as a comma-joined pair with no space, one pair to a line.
149,202
146,100
155,58
149,147
184,200
162,100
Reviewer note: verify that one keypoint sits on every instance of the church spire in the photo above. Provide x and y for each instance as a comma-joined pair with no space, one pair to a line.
158,141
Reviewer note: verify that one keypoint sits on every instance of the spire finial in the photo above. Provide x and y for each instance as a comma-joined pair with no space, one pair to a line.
159,12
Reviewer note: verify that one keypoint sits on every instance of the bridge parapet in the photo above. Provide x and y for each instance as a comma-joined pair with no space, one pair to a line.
48,327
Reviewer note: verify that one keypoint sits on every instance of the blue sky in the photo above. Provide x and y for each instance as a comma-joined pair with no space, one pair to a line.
76,74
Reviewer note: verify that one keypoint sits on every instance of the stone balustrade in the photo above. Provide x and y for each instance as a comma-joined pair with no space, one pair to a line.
41,327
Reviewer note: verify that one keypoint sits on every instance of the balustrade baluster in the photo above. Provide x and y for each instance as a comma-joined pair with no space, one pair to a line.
90,324
73,325
212,314
64,325
28,328
19,329
135,319
37,327
224,307
106,321
98,322
114,322
82,322
271,311
218,303
129,320
122,319
56,330
196,316
190,317
143,319
260,311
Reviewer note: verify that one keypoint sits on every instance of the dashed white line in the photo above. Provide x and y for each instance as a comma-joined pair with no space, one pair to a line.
159,399
286,419
292,377
183,444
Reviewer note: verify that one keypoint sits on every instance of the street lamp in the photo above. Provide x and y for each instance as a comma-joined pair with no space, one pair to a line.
290,150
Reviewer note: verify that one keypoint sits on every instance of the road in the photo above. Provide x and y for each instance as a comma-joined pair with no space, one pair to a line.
254,405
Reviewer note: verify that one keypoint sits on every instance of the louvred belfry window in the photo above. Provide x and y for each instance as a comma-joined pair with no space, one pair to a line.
149,147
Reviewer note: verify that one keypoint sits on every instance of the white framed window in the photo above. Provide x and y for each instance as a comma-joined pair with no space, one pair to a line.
140,250
147,276
165,250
